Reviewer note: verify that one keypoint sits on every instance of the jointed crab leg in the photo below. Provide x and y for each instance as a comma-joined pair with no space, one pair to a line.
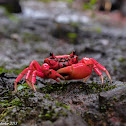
28,78
98,65
20,77
98,72
45,74
104,69
32,67
28,71
33,80
86,78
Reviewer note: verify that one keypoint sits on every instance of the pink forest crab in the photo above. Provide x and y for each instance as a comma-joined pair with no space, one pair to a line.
66,67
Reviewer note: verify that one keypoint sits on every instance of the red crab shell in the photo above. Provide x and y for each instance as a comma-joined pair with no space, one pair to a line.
60,61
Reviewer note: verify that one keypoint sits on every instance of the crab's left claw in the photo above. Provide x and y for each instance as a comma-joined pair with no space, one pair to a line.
66,71
75,71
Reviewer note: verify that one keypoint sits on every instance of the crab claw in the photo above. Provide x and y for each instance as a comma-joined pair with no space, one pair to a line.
75,71
50,73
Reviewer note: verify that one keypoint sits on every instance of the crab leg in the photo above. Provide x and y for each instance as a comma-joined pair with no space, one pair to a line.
104,69
86,78
20,77
33,80
99,73
32,67
28,78
35,65
98,65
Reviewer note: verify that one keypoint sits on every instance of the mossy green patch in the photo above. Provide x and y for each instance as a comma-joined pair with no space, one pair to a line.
72,37
3,70
52,114
25,105
95,87
26,36
121,59
55,87
15,71
5,112
89,5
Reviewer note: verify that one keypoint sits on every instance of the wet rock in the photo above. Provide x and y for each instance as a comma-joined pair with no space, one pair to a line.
114,104
72,120
115,94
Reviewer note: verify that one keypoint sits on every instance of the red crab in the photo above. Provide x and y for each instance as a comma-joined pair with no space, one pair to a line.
47,70
66,65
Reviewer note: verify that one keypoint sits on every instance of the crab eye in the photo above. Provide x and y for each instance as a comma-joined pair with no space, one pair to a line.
52,55
74,52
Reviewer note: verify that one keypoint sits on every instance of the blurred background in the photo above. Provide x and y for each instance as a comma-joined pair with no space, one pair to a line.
30,30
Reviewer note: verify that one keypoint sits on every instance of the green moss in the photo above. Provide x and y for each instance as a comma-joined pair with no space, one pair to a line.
13,18
90,5
51,113
46,1
15,71
16,102
4,103
115,68
41,50
5,112
58,88
23,105
26,36
98,30
24,86
121,59
72,37
75,24
95,87
115,98
3,70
